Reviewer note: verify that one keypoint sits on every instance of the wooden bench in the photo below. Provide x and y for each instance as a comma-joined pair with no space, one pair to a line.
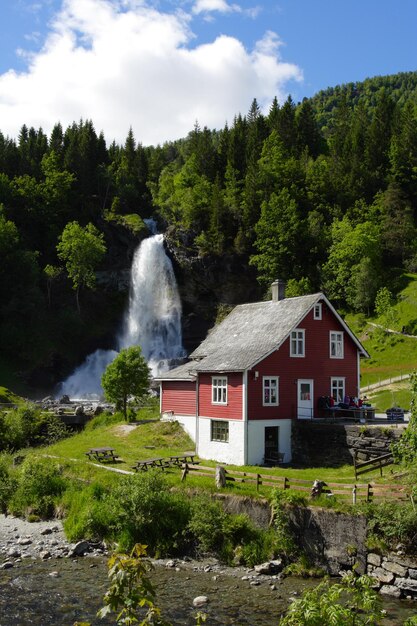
102,454
274,458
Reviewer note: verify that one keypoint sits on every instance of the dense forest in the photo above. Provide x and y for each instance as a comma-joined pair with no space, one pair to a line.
321,193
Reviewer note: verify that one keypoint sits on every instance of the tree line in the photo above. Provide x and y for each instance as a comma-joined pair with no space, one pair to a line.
321,193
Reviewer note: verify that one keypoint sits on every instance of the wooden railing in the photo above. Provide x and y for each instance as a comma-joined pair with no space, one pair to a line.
377,463
354,492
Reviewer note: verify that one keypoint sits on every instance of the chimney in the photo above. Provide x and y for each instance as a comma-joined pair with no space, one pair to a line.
278,290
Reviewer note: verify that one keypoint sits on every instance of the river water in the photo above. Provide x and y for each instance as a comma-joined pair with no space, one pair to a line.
32,594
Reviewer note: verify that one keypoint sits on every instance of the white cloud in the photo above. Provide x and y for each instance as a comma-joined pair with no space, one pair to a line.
122,63
202,6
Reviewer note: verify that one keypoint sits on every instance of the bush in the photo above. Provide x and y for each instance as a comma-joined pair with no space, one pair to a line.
28,426
40,484
8,482
142,509
392,523
21,426
146,511
351,602
207,523
90,512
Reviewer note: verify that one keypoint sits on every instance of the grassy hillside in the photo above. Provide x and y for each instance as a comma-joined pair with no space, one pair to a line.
391,354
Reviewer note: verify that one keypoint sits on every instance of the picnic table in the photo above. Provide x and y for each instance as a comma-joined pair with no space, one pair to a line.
186,457
104,453
144,466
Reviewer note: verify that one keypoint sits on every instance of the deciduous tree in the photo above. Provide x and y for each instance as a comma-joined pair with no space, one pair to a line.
126,376
81,249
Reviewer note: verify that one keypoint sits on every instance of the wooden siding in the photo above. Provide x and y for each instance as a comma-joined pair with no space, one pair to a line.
179,396
233,408
315,365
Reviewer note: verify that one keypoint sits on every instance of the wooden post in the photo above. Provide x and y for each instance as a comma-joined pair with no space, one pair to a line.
354,495
368,492
258,481
185,472
286,483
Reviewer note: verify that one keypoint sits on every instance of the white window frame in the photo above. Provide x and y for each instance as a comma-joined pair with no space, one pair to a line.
297,343
317,311
219,431
336,344
267,386
337,387
219,389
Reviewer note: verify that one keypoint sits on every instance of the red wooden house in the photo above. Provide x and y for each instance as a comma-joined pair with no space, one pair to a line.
263,367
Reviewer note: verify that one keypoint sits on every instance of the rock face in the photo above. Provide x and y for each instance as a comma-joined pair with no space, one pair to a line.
206,283
332,540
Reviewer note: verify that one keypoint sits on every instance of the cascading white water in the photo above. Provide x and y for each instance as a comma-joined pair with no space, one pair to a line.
153,321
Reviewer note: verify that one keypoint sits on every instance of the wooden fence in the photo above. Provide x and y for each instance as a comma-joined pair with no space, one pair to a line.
378,463
355,492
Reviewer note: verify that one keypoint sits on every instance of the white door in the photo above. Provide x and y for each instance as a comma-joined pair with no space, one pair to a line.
305,399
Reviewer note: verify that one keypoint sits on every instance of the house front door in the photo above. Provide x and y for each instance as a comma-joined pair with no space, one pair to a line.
304,399
271,441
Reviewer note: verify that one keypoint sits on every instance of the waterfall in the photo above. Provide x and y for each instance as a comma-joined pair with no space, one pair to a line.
152,320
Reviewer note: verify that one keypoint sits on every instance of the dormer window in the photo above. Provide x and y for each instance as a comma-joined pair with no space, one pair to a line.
297,343
317,311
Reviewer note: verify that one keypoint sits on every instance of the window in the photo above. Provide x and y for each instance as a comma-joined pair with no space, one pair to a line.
270,391
297,343
337,389
336,345
219,430
219,390
317,311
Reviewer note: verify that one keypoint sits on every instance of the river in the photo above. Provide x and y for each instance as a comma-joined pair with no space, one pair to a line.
58,592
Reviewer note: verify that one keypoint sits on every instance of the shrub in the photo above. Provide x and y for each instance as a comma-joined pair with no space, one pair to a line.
285,541
147,511
393,523
21,426
351,602
90,512
40,483
207,523
8,483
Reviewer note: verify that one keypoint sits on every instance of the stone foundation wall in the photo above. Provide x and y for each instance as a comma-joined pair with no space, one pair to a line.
396,575
332,445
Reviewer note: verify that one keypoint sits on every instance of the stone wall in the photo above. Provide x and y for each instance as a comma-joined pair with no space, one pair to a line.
396,574
318,444
335,541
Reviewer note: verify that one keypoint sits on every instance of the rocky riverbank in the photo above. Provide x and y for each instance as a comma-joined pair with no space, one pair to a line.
20,540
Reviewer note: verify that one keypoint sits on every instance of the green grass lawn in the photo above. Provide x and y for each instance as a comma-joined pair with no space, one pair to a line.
153,438
397,395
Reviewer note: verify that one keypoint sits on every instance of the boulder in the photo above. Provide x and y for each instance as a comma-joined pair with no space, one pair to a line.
200,601
80,549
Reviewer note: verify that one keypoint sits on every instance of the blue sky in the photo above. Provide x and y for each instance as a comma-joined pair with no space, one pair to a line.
160,65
